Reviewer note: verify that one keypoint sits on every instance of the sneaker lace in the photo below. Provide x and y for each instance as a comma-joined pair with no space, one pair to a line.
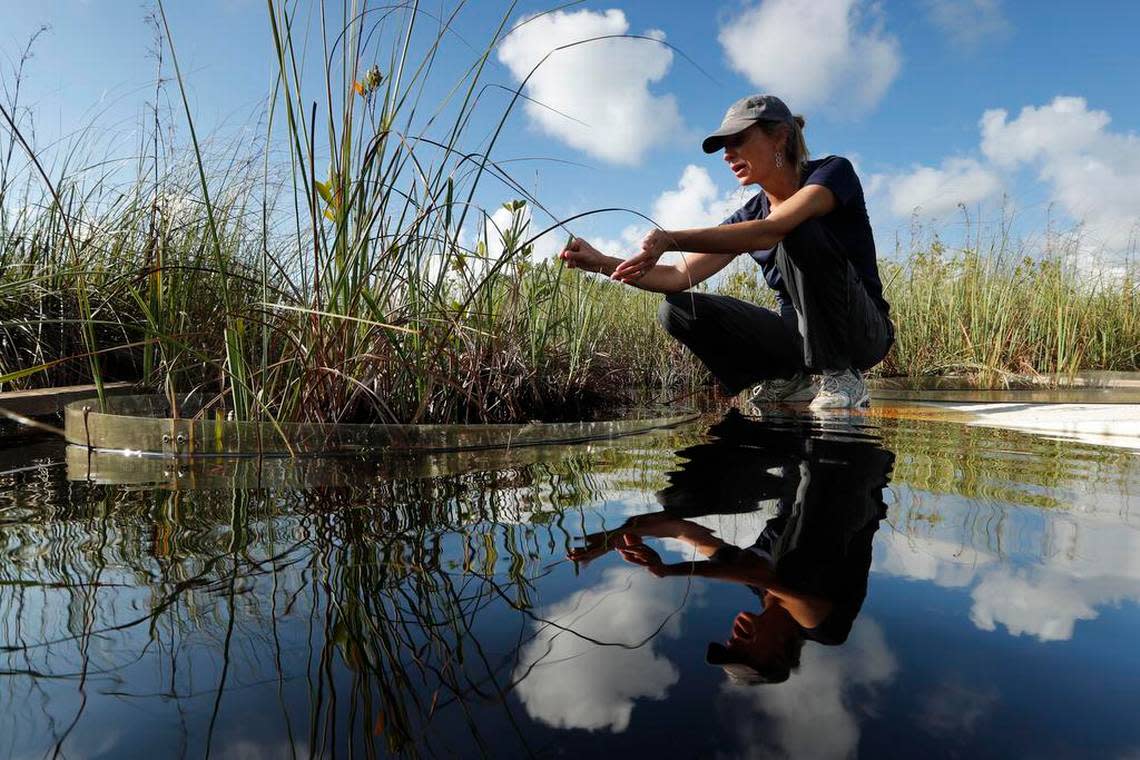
832,382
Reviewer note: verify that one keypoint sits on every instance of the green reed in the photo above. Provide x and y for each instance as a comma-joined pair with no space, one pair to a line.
281,290
1000,314
338,267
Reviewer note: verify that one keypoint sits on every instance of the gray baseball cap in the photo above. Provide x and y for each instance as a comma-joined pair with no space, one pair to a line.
743,114
741,669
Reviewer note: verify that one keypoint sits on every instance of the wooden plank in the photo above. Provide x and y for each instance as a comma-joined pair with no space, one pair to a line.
42,402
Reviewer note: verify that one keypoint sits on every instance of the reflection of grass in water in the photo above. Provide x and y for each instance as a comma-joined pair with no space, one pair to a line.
965,482
366,608
1001,466
386,585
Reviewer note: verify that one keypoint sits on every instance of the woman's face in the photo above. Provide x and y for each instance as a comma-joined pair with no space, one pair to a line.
751,155
762,637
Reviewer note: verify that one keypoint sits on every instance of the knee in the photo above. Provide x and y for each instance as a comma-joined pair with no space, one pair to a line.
675,314
669,315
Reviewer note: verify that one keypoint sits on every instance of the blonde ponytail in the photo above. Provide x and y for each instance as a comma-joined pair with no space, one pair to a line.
795,147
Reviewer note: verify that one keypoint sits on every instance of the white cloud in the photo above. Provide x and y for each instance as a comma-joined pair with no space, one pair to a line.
499,223
622,247
968,23
604,85
935,191
497,226
1063,127
574,683
1092,173
812,53
819,694
695,202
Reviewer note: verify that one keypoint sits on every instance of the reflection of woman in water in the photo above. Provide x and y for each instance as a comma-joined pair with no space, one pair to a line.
810,564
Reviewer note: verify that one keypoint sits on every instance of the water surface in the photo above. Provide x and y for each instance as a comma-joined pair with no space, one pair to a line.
897,587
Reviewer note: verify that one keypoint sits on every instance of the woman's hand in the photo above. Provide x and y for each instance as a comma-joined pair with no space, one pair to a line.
596,544
632,550
578,254
652,246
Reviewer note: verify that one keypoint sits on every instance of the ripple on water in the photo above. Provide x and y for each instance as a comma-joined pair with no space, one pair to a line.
907,587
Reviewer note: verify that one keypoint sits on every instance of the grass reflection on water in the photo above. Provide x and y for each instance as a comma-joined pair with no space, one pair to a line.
183,600
401,614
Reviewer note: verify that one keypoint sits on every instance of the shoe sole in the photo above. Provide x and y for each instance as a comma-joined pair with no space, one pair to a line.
863,403
802,394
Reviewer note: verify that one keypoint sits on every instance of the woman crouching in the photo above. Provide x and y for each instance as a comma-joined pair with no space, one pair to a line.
808,230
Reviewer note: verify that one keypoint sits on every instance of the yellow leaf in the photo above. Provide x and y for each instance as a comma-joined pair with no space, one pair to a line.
323,190
356,85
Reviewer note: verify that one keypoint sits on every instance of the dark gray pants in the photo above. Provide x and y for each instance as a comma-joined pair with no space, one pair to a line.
833,322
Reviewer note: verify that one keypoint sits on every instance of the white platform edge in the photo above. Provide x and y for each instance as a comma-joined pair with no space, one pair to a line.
1101,424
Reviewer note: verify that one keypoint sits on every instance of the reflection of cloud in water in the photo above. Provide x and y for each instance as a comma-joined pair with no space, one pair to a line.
810,715
84,741
952,710
245,749
944,563
1054,569
578,684
1044,603
111,744
739,529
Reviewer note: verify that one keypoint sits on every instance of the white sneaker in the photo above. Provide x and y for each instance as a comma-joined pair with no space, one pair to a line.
841,389
798,387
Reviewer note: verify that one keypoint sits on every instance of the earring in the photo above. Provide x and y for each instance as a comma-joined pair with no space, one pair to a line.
779,160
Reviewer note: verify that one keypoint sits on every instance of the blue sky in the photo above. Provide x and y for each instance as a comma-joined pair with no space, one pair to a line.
902,88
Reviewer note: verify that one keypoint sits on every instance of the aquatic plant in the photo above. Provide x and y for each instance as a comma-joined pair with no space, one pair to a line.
358,292
339,267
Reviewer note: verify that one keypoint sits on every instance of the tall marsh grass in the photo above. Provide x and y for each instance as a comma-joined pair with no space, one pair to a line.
1001,314
339,266
341,283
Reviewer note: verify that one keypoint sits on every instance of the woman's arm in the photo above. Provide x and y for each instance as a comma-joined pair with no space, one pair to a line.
746,568
758,234
807,610
661,278
754,235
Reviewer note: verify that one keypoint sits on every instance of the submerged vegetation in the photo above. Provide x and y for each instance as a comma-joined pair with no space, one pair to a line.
359,292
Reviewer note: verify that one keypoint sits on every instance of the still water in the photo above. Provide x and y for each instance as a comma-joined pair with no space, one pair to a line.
784,587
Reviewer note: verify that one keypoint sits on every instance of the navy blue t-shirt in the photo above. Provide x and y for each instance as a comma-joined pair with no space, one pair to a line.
847,222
